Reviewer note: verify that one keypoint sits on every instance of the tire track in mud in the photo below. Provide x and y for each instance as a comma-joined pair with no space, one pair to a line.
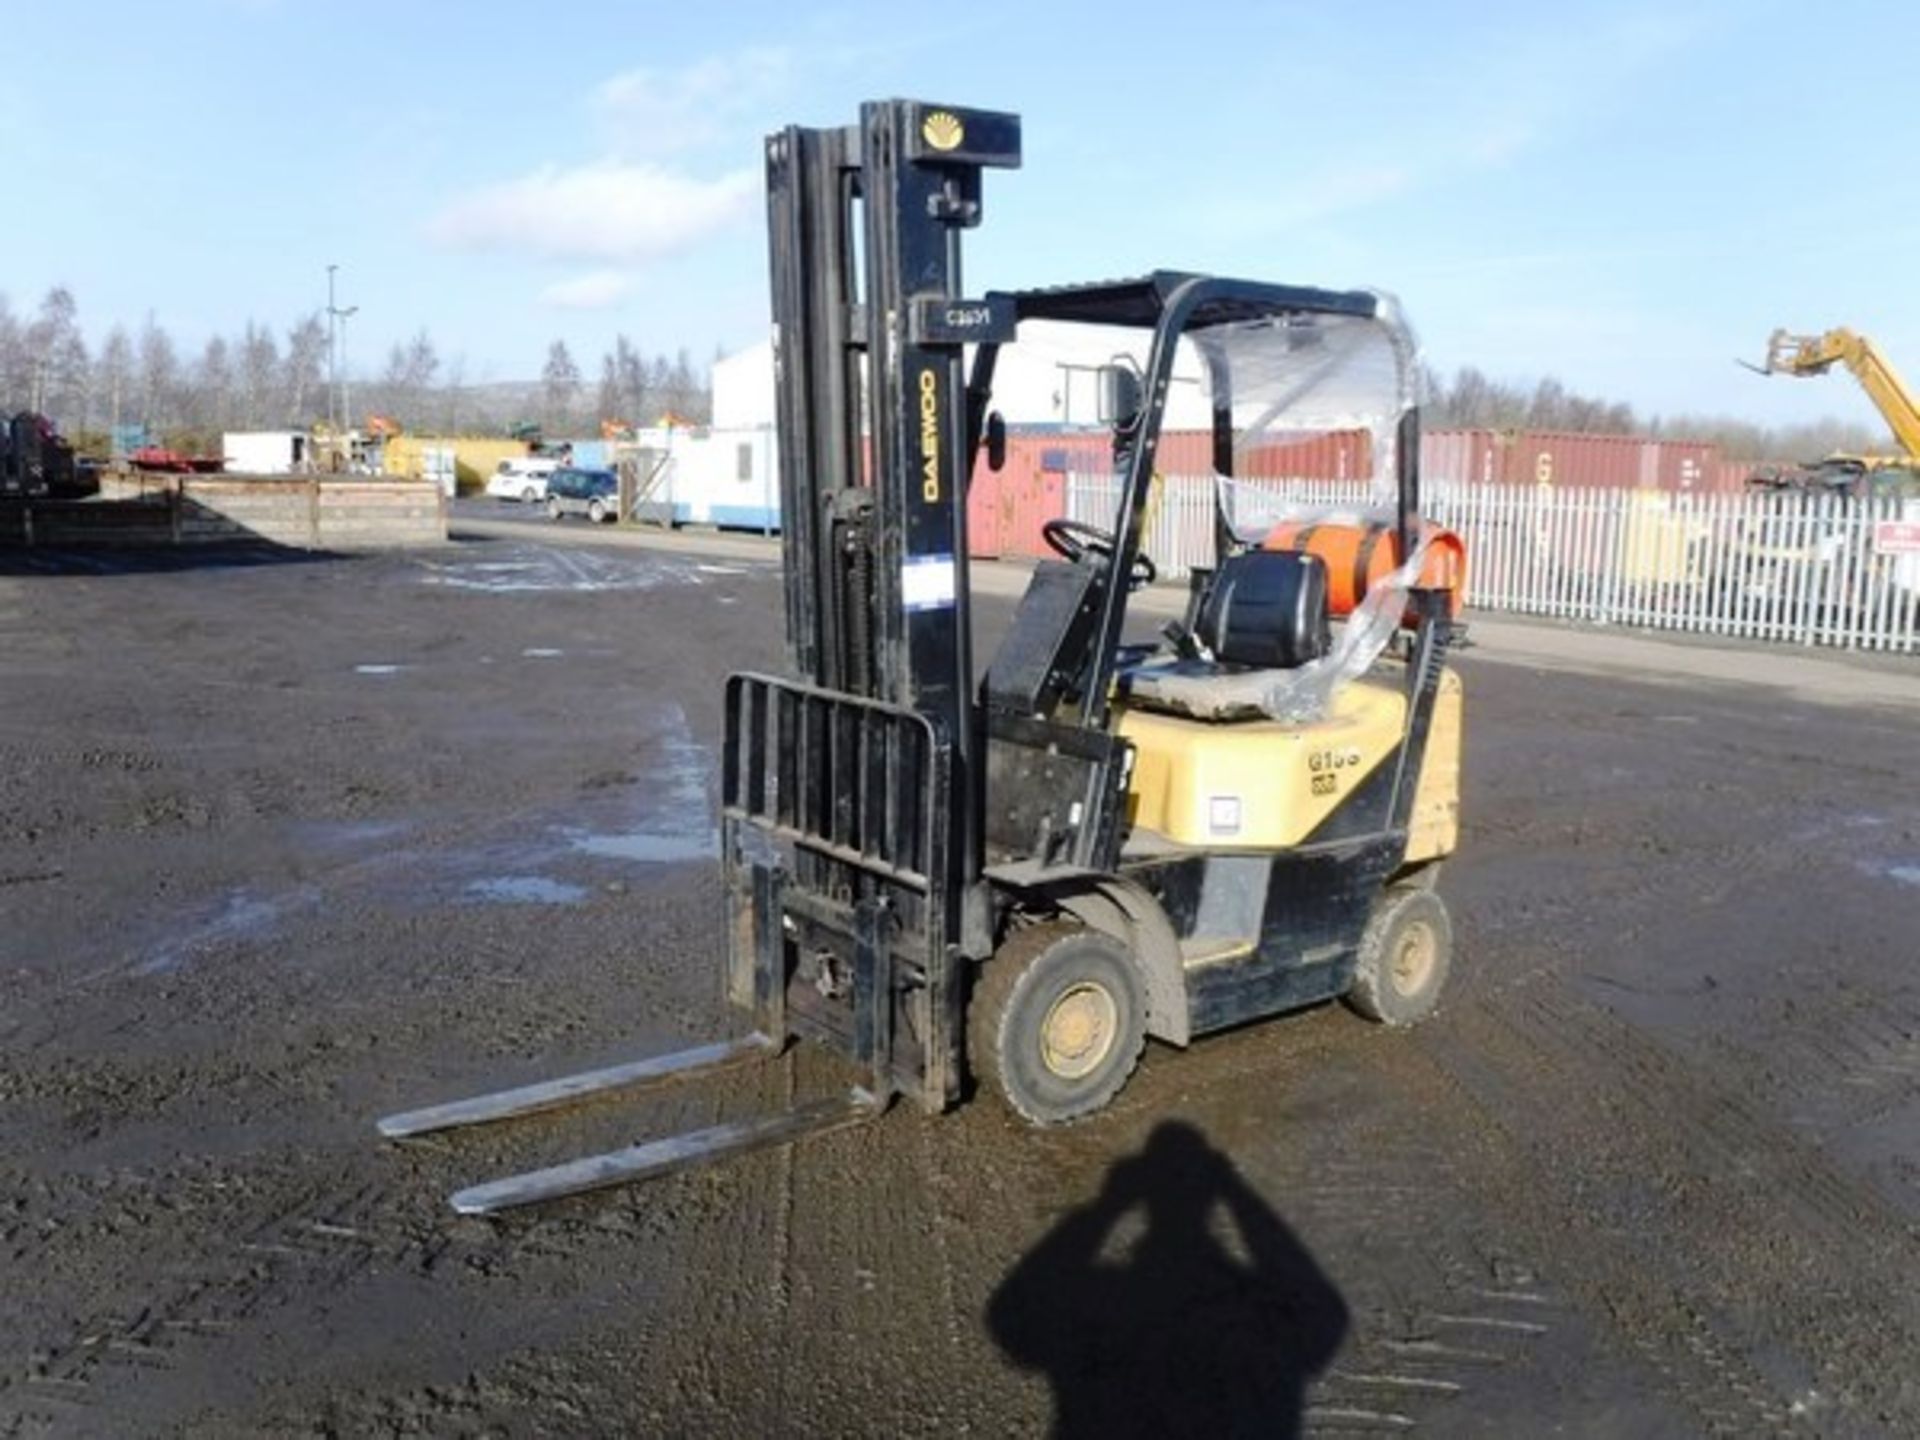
299,1237
1708,1232
1442,1310
289,1246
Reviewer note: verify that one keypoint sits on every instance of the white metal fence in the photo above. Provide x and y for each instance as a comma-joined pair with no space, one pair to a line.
1804,569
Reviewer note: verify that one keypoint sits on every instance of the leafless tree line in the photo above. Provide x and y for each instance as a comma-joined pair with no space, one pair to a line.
633,389
141,379
263,378
1471,400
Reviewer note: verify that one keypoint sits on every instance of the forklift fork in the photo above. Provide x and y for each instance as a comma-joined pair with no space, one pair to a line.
634,1162
833,816
850,808
676,1152
656,1072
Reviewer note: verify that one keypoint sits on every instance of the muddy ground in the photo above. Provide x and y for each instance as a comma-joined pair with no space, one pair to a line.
285,846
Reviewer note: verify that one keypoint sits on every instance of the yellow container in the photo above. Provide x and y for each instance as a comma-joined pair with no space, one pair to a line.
475,457
1657,546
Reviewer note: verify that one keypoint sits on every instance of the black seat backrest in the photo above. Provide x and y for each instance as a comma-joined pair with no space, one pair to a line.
1268,609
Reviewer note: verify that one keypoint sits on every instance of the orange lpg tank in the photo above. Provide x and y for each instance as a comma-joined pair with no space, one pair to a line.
1360,554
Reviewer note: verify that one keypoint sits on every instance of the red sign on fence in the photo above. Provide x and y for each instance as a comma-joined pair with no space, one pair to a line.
1897,537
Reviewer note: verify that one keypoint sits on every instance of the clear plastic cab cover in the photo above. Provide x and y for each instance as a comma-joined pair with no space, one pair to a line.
1293,377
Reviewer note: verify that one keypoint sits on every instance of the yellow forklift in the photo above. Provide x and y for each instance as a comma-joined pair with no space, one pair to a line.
1020,879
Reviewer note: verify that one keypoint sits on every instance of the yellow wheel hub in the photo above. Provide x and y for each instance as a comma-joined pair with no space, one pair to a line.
1413,959
1080,1030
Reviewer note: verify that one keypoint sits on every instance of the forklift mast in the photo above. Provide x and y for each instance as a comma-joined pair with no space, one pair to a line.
865,228
869,324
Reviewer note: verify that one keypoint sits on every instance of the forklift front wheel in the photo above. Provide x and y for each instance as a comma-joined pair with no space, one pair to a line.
1404,957
1057,1022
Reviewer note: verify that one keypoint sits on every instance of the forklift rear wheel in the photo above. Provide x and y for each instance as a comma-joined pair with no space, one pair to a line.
1057,1022
1404,957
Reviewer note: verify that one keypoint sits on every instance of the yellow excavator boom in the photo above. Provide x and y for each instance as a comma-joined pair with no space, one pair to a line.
1816,354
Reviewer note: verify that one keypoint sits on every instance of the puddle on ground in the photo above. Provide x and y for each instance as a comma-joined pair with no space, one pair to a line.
544,568
643,846
242,915
676,823
1900,872
525,890
344,834
1834,825
665,818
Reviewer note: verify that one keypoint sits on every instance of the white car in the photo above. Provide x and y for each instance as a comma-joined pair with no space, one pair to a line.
524,480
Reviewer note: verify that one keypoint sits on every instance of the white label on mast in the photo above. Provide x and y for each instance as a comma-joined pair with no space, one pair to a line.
927,583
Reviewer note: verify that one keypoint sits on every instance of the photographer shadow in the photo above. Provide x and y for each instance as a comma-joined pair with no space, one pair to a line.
1175,1303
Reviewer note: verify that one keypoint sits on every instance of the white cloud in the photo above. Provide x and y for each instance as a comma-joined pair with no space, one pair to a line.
595,290
604,211
649,111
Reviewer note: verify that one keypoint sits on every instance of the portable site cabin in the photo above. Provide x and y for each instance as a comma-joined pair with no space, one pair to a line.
265,452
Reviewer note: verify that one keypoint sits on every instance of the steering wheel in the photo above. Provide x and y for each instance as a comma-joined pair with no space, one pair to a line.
1075,539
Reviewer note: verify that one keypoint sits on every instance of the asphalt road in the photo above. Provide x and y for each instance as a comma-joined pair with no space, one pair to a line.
287,845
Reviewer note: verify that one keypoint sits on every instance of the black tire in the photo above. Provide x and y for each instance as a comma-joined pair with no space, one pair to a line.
529,495
596,511
1405,956
553,509
1027,1048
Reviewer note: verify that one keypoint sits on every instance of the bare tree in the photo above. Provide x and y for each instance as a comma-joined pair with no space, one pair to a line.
686,391
607,401
407,379
560,381
1548,408
630,363
452,394
422,369
56,357
259,374
213,386
626,383
13,361
113,377
391,395
306,361
159,376
659,385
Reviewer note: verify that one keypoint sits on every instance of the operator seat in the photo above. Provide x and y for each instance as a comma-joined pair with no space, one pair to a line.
1265,610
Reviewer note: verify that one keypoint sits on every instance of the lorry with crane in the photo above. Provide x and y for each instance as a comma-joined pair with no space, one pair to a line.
1805,356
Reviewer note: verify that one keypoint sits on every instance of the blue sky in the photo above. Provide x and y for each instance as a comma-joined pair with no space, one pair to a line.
1627,196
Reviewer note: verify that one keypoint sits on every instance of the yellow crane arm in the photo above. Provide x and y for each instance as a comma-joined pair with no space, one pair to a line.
1816,354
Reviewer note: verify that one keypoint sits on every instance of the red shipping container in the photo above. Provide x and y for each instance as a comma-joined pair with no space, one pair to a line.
1570,461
